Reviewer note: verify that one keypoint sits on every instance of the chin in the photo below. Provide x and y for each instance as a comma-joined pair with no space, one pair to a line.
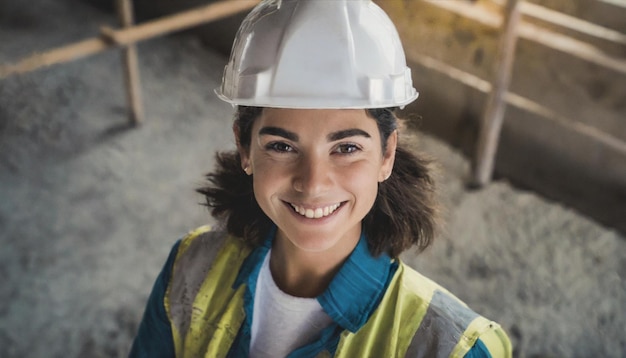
311,240
313,243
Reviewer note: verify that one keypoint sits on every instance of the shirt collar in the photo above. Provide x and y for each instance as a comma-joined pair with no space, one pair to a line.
354,292
358,287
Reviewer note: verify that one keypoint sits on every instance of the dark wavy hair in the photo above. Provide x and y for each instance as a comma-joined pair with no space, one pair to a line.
404,214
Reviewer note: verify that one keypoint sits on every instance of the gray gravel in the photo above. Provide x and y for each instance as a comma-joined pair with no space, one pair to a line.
89,207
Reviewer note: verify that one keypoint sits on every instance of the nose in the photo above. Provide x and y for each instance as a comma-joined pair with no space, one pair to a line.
312,175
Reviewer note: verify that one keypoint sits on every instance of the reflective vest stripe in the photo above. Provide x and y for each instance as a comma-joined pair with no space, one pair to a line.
445,314
490,334
190,293
178,291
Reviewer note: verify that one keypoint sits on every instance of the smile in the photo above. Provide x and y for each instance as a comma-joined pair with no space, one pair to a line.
315,213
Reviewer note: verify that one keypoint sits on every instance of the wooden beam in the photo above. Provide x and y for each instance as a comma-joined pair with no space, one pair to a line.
487,144
131,65
114,38
537,34
58,55
564,21
523,103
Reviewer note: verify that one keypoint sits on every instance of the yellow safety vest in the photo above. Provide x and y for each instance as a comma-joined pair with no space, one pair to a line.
416,316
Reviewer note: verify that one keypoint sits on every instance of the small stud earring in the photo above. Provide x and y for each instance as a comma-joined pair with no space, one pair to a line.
247,170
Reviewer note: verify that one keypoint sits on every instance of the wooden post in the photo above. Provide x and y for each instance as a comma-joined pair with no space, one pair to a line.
130,63
487,144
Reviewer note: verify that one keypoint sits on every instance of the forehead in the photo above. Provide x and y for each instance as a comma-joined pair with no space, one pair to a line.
316,120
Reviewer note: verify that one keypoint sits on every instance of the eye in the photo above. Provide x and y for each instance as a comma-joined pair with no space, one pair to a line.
347,148
280,147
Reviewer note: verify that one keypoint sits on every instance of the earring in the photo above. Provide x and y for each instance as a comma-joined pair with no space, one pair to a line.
247,170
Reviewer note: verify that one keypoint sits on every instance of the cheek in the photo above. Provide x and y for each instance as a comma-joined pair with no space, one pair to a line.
362,180
264,188
262,179
267,179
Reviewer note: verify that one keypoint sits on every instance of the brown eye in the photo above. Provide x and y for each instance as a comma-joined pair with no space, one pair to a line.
280,147
347,148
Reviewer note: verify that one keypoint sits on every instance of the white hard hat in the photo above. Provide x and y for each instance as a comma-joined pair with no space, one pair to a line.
317,54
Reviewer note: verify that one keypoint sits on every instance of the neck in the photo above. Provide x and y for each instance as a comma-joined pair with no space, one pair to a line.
307,274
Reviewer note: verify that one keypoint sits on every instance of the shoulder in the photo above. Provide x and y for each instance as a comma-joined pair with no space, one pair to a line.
198,253
199,249
203,239
446,325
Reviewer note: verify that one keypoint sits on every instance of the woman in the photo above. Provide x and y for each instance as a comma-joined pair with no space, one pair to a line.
317,202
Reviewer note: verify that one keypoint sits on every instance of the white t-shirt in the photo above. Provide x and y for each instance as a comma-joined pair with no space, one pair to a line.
280,322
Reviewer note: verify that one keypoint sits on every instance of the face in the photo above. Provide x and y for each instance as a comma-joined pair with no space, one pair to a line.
316,173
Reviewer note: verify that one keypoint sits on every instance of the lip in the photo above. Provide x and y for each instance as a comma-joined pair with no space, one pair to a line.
314,212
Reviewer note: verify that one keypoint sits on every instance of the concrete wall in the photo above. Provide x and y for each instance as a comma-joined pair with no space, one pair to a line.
574,149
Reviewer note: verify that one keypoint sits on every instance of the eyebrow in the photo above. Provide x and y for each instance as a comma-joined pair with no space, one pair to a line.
347,133
279,132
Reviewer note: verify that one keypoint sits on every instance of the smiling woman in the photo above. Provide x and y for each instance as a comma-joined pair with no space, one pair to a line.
407,188
317,202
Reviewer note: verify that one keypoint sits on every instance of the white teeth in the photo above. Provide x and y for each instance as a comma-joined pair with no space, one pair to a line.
315,213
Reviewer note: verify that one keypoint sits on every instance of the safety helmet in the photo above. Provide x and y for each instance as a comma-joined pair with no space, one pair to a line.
317,54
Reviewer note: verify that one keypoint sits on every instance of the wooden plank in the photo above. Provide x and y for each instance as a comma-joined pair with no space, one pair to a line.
59,55
491,125
114,38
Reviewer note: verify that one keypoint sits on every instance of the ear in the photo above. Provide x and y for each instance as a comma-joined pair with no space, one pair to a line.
389,157
244,153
